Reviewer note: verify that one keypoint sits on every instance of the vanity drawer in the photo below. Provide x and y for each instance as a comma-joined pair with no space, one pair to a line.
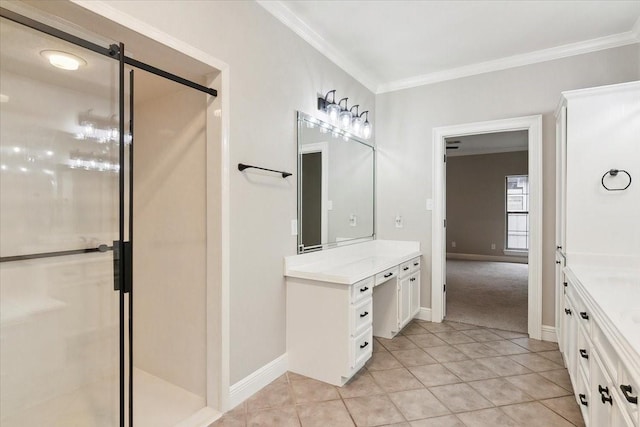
583,396
409,267
584,352
405,269
582,313
360,316
361,290
386,275
415,265
629,389
360,349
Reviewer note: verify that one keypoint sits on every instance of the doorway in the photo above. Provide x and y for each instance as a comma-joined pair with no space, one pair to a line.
487,195
533,126
68,150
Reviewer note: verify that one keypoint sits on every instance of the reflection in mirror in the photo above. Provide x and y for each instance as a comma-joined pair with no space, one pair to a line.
335,186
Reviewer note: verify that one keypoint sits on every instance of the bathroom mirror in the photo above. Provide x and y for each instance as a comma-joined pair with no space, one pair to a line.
336,186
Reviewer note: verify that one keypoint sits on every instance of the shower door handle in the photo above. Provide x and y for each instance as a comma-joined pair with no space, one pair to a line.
122,264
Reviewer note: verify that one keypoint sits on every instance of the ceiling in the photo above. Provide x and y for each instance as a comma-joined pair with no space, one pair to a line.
390,45
488,143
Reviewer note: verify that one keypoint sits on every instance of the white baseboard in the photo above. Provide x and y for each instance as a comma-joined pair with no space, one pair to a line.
549,333
492,258
424,314
203,418
246,387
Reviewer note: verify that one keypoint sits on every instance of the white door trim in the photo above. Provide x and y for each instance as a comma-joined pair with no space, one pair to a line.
323,149
533,125
217,208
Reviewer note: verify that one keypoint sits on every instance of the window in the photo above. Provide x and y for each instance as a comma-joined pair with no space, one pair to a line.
517,203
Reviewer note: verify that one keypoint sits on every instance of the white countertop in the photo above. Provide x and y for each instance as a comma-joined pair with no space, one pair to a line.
350,264
614,293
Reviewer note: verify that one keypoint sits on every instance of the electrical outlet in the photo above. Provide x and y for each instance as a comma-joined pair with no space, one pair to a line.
493,246
398,221
453,244
353,220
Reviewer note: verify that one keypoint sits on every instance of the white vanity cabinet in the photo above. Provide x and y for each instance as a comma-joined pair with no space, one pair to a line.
338,300
597,250
329,328
603,368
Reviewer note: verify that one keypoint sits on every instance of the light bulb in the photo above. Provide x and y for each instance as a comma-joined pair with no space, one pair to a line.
356,125
366,130
345,118
333,110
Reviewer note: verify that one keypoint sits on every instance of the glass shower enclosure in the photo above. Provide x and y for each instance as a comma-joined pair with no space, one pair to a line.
65,146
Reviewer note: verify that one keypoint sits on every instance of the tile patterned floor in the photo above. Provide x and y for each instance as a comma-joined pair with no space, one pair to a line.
431,375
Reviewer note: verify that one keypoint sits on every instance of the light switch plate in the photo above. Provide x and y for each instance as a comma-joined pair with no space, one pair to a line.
429,204
329,205
294,227
399,221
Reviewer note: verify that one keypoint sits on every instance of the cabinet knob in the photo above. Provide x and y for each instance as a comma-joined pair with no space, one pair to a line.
583,353
558,247
567,311
583,399
364,345
365,289
388,274
415,264
558,262
405,269
364,314
584,315
627,390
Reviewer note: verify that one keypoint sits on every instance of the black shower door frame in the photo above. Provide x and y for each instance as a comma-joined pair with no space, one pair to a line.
123,247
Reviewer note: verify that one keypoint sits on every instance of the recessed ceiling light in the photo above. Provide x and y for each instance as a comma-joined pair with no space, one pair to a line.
63,60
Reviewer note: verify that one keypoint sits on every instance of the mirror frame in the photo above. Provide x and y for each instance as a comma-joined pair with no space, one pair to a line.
301,249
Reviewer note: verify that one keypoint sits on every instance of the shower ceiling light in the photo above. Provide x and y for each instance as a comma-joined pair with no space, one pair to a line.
63,60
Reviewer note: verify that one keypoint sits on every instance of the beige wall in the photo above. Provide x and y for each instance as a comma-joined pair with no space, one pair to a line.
169,236
273,73
406,120
476,200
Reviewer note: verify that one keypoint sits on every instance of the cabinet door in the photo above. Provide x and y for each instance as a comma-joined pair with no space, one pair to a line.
404,301
415,293
601,394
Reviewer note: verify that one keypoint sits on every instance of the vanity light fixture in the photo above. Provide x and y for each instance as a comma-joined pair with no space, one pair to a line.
345,117
63,60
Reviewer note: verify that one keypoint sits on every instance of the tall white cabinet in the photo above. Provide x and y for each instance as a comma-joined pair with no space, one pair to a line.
598,249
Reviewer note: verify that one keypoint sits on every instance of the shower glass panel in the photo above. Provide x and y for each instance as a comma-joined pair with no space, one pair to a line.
59,360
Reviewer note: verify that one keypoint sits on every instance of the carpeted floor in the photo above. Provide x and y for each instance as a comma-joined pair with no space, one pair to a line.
490,294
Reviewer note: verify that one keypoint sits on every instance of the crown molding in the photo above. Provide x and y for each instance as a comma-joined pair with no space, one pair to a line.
298,26
281,12
572,49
